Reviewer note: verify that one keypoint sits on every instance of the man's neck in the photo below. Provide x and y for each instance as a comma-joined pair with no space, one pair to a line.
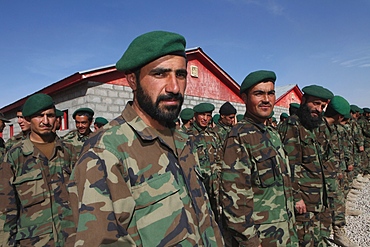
34,137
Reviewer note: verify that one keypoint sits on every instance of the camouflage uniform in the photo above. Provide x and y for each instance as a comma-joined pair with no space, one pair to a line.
308,178
135,188
256,189
15,139
222,130
358,141
35,206
365,129
2,148
76,139
347,144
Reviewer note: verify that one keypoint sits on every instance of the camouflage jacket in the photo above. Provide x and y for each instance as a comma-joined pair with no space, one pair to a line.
346,144
2,149
76,139
365,129
256,187
358,137
15,139
35,206
131,188
222,130
305,159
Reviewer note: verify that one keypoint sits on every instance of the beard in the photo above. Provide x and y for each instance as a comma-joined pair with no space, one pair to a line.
165,115
309,122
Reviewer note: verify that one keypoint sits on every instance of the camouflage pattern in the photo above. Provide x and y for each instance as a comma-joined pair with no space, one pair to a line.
365,129
358,140
15,139
2,149
256,189
134,186
222,130
308,180
76,139
347,142
35,208
207,144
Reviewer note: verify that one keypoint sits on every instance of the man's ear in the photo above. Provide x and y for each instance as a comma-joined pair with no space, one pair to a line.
244,97
131,79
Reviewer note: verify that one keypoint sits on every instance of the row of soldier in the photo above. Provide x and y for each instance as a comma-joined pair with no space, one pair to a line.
140,181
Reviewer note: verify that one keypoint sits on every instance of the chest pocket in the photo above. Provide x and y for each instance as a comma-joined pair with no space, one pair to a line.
268,172
31,188
159,212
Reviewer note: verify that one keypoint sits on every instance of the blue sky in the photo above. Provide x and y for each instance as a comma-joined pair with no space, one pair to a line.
304,42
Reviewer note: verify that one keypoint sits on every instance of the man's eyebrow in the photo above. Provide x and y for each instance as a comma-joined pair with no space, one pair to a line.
160,70
263,91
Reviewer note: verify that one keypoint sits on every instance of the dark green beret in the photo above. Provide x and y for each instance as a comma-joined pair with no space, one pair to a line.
257,77
273,119
355,108
82,110
367,110
361,111
294,105
284,115
187,114
101,120
2,117
58,113
36,103
239,117
340,105
271,114
204,107
150,46
318,91
227,109
215,118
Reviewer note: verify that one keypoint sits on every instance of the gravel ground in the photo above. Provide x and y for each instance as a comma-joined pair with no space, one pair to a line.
358,227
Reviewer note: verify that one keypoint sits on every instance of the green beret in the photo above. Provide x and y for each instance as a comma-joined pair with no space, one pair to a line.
340,105
239,117
2,117
101,120
37,103
284,115
318,91
273,119
227,109
367,110
150,46
58,113
215,118
271,114
82,110
361,111
347,116
187,114
294,105
257,77
204,107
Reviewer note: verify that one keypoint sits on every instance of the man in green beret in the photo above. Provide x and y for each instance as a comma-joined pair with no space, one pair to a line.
301,143
187,119
25,127
364,123
136,182
207,144
99,122
256,191
329,136
226,121
34,200
83,118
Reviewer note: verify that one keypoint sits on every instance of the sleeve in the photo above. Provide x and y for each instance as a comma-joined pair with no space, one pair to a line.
289,134
102,200
237,193
8,206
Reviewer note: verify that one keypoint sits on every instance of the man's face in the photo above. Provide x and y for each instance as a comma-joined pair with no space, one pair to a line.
260,100
2,126
82,124
315,106
203,119
22,122
228,120
42,124
159,92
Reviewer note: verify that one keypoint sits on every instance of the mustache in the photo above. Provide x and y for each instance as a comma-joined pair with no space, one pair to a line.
45,125
265,104
170,96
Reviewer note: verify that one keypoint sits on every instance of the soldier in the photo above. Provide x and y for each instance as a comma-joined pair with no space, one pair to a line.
283,117
187,118
208,146
333,155
256,190
25,129
34,201
305,160
83,118
99,122
136,181
226,121
3,120
293,108
365,127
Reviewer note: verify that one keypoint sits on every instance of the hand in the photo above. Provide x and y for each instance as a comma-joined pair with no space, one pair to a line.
340,175
361,149
300,206
350,168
